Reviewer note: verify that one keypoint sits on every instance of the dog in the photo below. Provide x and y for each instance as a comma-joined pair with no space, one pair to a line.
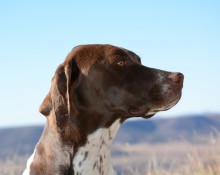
92,93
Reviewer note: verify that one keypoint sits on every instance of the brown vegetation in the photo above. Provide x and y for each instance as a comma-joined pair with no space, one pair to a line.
172,158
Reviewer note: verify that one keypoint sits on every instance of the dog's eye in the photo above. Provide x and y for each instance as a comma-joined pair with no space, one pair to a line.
121,63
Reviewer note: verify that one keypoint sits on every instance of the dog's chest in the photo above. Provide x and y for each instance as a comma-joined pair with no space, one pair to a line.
94,158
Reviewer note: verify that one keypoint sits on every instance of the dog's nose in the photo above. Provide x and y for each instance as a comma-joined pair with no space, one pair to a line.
176,77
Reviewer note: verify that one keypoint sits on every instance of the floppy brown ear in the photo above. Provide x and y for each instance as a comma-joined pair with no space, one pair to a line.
58,99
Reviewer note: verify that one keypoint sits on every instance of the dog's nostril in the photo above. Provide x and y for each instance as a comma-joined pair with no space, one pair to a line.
176,77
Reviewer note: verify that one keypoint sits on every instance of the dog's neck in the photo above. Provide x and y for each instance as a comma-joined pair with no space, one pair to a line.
95,157
91,158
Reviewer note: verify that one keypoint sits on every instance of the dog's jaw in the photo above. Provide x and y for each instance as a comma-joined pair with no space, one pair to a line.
94,157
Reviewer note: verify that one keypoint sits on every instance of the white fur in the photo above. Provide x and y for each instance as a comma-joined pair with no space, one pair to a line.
30,160
94,157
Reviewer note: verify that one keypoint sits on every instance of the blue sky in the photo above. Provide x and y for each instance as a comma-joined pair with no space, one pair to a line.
35,37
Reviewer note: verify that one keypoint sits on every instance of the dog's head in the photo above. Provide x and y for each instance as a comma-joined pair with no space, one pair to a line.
104,82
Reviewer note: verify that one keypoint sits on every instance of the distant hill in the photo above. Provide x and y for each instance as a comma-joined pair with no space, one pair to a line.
18,141
157,130
21,141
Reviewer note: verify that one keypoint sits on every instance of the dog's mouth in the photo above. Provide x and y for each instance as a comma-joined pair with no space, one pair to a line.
138,112
149,111
168,104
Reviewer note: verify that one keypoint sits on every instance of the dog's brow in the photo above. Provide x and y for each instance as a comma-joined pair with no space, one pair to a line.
136,59
119,52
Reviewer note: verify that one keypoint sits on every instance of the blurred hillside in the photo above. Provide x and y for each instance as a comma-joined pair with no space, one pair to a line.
21,141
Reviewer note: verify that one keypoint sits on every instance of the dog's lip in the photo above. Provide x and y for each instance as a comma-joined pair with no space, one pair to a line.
175,99
146,110
169,104
139,111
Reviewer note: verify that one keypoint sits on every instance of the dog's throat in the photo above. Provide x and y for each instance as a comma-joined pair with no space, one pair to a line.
95,157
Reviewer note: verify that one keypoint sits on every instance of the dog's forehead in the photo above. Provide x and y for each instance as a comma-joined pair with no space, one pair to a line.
99,52
86,55
120,53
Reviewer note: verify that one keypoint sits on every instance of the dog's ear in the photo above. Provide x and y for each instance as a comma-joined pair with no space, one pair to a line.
58,99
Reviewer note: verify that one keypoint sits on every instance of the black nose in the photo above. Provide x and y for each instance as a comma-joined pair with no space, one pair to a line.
176,77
